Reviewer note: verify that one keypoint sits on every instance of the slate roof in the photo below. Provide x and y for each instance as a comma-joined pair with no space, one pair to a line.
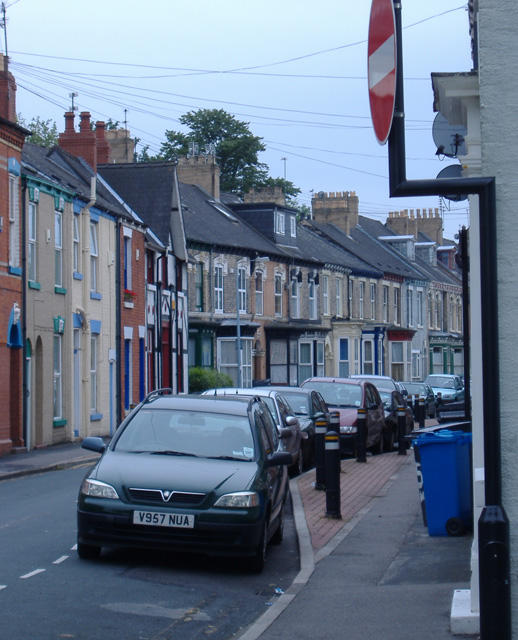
57,166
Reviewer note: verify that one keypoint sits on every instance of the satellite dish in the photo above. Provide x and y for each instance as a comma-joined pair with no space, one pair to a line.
452,171
448,138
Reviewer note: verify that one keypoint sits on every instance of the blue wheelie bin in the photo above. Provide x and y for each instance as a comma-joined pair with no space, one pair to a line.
444,469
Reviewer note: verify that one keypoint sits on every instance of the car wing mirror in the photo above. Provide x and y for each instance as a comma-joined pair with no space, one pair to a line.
279,458
94,444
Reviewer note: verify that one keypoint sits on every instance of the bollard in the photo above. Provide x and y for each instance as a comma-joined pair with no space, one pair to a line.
422,412
321,426
361,436
334,421
415,408
401,430
333,475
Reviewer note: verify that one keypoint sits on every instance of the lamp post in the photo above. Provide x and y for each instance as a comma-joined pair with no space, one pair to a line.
238,332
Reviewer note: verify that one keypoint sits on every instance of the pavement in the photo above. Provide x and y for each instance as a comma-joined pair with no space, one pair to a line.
371,573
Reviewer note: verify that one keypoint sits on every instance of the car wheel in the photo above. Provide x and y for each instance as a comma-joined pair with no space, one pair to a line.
278,536
297,468
259,558
88,551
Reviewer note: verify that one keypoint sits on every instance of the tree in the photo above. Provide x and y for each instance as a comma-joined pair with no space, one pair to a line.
44,133
236,148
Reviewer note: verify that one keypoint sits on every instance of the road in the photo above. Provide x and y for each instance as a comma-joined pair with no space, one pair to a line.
48,593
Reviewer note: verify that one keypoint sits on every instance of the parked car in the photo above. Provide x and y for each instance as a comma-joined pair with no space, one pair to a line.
380,382
283,416
347,396
187,473
392,400
423,390
451,412
450,386
308,406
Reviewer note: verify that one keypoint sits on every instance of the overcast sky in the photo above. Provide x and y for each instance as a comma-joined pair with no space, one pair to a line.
295,70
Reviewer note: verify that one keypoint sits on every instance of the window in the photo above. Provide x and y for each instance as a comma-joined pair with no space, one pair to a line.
438,311
350,294
339,307
32,255
218,289
58,377
295,300
14,221
94,342
58,249
419,308
397,306
76,255
278,294
368,357
410,307
416,365
198,285
361,299
312,300
325,295
385,303
398,368
305,361
279,223
343,362
127,262
128,374
259,293
228,360
373,301
241,289
430,310
293,226
94,256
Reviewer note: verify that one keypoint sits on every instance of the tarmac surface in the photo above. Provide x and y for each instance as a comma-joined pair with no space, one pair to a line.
373,573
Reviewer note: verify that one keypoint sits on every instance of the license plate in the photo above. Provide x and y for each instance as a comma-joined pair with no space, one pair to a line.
159,519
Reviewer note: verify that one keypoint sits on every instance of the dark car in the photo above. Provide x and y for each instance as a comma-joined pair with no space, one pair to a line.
187,473
309,406
392,400
283,416
422,390
346,396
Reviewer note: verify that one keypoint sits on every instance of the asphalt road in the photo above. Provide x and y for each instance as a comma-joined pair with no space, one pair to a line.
48,593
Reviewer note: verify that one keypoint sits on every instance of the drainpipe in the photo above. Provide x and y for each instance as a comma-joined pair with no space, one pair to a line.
26,427
84,311
493,524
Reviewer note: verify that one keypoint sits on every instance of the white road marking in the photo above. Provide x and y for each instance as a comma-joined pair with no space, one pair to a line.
155,611
32,573
3,586
60,560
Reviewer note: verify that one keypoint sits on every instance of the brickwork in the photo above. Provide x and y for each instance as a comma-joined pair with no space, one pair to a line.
200,170
339,208
410,223
89,144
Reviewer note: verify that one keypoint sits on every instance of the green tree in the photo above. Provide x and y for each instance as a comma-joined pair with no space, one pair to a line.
44,133
236,148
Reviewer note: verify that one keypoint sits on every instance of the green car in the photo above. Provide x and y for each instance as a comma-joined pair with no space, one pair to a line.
188,473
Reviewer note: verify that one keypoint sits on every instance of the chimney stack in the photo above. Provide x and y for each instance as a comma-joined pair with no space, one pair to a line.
90,145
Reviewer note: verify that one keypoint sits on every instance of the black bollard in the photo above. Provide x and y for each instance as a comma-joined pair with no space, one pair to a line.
333,475
321,426
415,408
401,430
361,435
422,412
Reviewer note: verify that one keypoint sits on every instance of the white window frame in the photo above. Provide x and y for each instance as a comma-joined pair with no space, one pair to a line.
94,363
419,305
325,295
14,221
280,223
385,303
397,305
58,376
76,254
58,248
259,292
241,288
373,300
361,299
338,295
277,283
293,226
344,363
410,306
94,255
295,298
32,253
218,288
312,295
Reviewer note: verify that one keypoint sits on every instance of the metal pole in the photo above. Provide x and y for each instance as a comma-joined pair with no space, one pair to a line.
494,547
238,332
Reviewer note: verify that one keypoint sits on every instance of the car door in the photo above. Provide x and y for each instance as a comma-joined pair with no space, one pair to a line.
277,477
375,414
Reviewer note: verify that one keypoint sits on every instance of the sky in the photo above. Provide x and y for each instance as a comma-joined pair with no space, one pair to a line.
294,70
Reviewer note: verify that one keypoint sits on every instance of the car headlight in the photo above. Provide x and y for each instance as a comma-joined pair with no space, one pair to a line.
97,489
239,500
348,429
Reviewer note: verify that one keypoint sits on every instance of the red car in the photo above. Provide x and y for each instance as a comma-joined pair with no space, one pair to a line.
346,396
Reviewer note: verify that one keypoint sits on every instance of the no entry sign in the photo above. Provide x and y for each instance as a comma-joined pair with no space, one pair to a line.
382,67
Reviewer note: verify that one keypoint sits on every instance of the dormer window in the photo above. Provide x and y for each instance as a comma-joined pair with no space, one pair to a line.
293,226
280,223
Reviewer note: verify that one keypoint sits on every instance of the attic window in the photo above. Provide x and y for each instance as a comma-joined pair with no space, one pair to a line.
223,210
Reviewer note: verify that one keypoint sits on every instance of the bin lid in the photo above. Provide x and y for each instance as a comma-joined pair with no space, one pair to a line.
442,437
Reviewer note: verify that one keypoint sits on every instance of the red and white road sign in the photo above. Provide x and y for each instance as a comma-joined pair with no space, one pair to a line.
382,67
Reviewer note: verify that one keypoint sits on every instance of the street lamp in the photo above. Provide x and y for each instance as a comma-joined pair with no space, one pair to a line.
238,321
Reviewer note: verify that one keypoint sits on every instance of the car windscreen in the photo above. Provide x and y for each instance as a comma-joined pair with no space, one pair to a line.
188,433
337,394
299,402
442,382
415,389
